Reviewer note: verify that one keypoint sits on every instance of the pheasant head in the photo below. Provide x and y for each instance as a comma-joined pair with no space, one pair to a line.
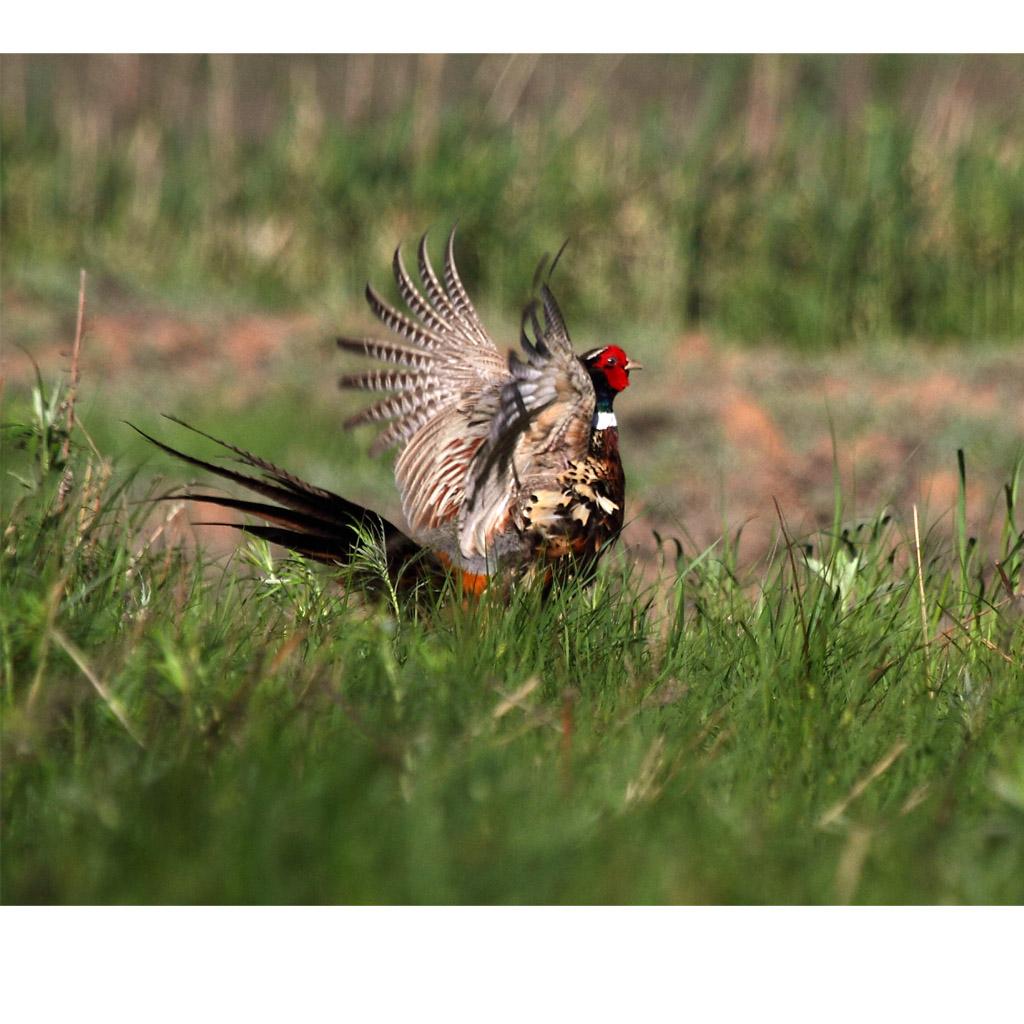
609,368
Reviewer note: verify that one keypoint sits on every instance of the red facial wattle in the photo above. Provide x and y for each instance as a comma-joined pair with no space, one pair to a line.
615,365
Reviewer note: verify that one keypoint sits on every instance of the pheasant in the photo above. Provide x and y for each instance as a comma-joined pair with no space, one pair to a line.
508,465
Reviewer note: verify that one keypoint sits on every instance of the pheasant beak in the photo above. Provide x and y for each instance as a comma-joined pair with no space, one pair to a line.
632,364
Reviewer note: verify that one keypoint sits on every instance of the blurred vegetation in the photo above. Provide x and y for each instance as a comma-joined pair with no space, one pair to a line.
811,200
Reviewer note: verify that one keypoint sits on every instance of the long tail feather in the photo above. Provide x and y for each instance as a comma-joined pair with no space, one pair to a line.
309,520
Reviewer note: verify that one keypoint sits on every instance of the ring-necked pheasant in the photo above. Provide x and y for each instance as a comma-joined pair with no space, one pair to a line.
507,464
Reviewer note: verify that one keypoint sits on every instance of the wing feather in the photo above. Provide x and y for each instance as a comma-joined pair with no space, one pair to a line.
460,300
444,365
473,427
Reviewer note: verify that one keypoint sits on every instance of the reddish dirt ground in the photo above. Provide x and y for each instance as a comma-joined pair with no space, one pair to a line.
757,425
712,434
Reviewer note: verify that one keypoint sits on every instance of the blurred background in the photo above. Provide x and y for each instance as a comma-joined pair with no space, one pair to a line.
808,200
819,258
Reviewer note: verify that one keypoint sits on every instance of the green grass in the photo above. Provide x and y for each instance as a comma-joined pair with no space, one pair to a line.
830,726
807,200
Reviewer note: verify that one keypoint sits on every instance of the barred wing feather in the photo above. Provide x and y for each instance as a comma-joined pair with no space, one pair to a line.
446,368
473,427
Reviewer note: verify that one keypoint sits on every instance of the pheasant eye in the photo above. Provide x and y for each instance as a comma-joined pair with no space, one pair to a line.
612,361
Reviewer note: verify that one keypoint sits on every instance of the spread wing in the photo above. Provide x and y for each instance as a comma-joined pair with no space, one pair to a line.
446,378
470,424
541,425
